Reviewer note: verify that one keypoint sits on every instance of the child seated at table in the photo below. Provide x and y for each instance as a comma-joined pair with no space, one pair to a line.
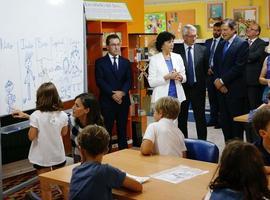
241,174
91,179
261,124
163,136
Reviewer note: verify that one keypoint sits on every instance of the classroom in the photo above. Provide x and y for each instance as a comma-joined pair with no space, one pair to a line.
135,99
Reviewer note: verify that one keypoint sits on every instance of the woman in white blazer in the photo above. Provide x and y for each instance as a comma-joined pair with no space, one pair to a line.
166,70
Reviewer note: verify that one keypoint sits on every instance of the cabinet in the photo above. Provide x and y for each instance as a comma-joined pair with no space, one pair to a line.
97,31
141,47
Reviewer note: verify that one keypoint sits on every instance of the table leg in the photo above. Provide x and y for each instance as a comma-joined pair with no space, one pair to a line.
45,188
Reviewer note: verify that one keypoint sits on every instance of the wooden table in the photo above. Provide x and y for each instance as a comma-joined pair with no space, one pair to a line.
134,163
241,118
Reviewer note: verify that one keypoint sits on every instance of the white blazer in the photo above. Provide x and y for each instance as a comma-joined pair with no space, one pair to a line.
158,69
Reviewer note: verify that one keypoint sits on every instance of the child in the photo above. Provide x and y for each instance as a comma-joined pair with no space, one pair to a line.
163,136
47,124
261,124
91,179
86,111
241,174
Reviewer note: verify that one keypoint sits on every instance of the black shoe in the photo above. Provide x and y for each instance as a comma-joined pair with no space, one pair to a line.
217,126
211,124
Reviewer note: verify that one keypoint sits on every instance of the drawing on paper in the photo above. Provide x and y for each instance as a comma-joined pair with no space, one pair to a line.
10,97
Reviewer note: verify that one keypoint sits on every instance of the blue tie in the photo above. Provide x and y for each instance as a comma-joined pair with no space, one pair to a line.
115,68
225,48
212,51
190,68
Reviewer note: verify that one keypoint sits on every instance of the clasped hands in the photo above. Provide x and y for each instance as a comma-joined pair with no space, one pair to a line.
220,86
117,96
174,75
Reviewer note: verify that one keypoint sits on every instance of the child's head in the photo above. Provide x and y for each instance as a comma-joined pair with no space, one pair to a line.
167,107
86,105
48,98
241,168
261,122
94,140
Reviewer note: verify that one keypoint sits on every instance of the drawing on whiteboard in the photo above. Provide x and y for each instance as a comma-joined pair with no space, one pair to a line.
74,61
29,79
10,97
65,83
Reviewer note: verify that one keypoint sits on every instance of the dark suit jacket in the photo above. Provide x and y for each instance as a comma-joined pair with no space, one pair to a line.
200,61
108,80
208,44
231,68
254,65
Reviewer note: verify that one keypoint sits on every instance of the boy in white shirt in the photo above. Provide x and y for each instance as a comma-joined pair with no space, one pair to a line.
163,136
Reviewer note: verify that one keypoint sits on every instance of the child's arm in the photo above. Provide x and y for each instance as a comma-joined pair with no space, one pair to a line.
32,133
132,184
267,169
147,147
20,114
64,130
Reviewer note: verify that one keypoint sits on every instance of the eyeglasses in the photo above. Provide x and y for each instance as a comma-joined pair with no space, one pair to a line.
252,29
191,36
115,45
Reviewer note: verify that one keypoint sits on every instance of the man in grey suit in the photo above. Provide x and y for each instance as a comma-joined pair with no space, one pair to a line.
196,64
256,57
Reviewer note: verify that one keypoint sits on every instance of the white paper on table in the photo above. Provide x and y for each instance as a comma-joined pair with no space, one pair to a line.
140,179
178,174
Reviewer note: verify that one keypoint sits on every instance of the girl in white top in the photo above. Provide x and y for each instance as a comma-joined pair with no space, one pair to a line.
163,136
47,125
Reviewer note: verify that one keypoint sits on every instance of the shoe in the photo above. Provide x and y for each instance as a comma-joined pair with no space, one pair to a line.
217,126
211,124
31,196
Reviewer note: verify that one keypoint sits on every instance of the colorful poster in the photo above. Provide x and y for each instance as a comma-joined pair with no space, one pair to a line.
154,22
215,13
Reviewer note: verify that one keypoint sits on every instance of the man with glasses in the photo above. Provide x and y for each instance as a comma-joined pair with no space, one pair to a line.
196,65
254,65
256,57
113,77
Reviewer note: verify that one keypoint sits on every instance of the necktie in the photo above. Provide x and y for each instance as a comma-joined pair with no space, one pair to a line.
190,68
115,68
212,51
225,48
249,42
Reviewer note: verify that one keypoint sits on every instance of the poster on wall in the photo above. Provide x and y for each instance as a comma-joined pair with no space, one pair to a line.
176,20
154,22
215,13
243,16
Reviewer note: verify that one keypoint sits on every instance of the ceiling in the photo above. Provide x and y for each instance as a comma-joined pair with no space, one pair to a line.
153,2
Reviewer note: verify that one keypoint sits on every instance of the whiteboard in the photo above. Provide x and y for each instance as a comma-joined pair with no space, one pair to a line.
40,41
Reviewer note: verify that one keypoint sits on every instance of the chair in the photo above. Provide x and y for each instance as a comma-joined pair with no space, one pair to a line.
202,150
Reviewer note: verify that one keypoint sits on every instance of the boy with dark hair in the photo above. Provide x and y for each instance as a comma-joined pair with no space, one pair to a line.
163,136
261,124
93,180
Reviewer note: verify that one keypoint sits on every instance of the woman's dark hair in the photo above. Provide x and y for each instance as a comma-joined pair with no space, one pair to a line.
94,115
162,38
242,169
48,99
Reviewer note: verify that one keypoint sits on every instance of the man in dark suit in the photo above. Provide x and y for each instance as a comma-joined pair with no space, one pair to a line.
113,77
254,65
229,66
196,64
211,45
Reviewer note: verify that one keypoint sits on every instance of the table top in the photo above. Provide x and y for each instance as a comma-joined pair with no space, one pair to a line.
134,163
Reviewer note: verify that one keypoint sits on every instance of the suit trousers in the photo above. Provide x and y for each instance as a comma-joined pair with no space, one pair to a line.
229,108
213,100
119,113
195,96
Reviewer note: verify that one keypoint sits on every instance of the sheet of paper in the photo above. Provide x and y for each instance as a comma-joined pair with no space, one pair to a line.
140,179
178,174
